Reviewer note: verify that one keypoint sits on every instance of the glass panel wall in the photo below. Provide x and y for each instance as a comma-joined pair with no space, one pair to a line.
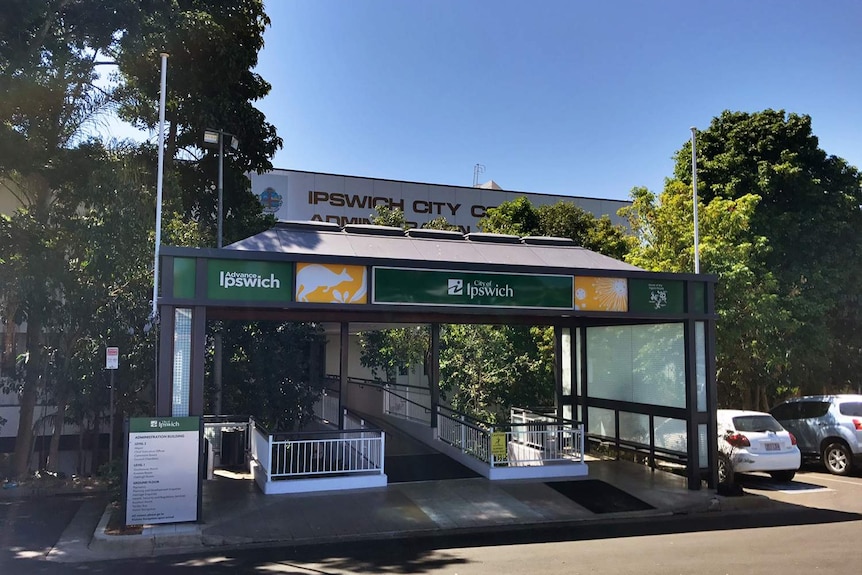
642,364
700,363
182,362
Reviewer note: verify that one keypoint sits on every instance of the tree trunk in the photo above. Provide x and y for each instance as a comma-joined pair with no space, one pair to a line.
54,451
81,431
96,458
28,397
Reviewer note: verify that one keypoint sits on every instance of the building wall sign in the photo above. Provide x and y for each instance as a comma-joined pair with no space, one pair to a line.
163,469
249,280
601,294
308,196
459,288
656,296
331,283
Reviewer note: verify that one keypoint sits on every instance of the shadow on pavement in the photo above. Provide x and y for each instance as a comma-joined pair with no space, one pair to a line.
423,553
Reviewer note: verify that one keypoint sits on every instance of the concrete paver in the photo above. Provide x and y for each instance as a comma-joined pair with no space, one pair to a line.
236,514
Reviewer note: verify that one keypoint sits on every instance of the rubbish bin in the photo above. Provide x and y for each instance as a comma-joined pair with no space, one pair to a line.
232,447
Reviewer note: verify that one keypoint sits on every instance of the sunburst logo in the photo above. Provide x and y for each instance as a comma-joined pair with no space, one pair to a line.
601,294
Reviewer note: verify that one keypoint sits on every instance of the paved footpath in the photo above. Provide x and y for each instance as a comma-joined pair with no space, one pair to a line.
237,515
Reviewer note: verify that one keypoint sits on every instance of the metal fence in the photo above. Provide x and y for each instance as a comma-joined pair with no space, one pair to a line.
407,402
529,439
316,454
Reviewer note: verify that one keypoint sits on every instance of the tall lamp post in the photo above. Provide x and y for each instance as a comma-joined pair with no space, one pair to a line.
213,138
217,138
694,199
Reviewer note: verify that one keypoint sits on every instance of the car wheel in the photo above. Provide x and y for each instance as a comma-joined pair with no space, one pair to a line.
783,475
836,458
725,469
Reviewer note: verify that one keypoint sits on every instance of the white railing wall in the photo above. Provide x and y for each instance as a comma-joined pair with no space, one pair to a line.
326,407
261,449
350,451
407,402
466,436
540,442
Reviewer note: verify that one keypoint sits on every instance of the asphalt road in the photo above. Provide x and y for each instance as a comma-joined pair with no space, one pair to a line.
812,526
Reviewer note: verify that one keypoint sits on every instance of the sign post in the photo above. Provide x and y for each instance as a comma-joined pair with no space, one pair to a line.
112,363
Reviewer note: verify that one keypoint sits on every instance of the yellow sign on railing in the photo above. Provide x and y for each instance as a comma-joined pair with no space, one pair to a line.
499,445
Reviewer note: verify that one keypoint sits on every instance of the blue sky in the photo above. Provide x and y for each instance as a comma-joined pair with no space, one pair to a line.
562,97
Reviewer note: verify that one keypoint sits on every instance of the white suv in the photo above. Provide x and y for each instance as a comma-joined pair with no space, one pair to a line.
754,441
828,427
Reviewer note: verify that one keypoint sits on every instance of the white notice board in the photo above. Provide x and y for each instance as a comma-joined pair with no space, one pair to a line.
162,473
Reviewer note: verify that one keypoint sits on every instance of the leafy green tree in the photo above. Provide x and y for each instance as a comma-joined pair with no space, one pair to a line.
213,47
517,217
47,98
486,369
752,320
563,220
386,216
809,213
277,381
50,100
440,223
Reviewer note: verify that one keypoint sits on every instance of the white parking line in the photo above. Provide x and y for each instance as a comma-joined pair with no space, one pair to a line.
839,481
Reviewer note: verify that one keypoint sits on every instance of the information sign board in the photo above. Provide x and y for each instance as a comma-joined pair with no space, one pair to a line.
162,476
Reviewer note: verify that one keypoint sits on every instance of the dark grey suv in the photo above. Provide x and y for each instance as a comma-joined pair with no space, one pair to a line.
826,426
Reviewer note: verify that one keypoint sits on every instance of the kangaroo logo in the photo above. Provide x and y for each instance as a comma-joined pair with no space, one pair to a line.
324,283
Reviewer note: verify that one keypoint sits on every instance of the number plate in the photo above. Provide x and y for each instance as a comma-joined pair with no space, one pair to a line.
772,446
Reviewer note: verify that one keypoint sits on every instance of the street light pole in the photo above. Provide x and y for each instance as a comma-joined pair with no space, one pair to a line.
694,199
216,137
210,137
220,187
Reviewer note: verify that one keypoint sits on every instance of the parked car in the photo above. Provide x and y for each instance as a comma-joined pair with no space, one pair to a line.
828,427
755,441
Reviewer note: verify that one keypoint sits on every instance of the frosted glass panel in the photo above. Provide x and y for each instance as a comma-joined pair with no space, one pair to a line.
671,434
658,364
182,362
703,460
700,363
601,422
634,427
579,362
566,360
567,412
643,364
609,362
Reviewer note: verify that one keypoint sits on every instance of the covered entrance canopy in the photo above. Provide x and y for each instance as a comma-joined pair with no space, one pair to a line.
635,349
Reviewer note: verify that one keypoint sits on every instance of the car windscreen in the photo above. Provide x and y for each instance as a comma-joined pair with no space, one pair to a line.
853,408
756,423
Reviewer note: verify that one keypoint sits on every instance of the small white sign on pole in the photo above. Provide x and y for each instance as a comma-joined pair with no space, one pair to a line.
112,358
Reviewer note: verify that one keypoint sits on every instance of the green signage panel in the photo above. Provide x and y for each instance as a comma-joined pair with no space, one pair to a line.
656,296
699,303
460,288
163,424
184,277
249,281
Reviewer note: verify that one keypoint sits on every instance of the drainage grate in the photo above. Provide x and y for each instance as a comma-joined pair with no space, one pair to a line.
598,496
